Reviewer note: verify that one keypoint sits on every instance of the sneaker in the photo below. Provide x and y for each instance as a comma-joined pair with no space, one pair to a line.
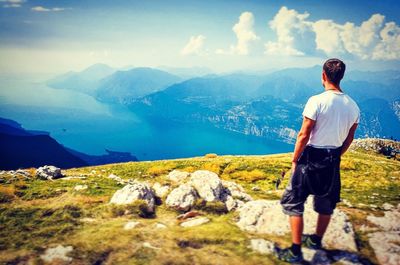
308,242
287,255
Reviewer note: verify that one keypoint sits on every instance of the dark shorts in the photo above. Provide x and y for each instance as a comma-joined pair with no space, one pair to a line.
317,173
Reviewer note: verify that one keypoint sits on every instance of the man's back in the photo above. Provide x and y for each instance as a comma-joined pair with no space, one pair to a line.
334,113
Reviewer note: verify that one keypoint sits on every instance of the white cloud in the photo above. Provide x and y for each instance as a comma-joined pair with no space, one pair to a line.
44,9
244,33
293,33
12,3
194,46
371,40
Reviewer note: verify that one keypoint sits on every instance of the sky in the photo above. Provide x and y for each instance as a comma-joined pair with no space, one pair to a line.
56,36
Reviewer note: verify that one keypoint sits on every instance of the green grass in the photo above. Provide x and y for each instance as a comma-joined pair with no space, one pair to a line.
36,214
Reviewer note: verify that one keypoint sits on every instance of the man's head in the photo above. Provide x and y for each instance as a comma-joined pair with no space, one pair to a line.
333,71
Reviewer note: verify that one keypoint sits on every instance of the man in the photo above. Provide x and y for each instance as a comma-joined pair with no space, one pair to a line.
330,120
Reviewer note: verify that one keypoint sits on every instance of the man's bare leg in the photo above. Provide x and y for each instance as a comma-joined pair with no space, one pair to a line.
296,225
322,224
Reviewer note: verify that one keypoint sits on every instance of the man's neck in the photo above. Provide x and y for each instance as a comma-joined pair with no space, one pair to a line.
329,86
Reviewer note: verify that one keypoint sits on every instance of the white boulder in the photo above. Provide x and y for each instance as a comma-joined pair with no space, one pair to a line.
135,191
266,217
178,176
160,190
49,173
57,253
207,184
182,198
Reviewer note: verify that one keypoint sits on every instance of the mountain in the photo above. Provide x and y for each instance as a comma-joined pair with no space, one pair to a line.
268,105
85,81
124,86
110,157
20,148
187,73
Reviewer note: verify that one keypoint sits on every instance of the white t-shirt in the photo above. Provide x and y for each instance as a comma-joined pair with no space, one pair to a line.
334,113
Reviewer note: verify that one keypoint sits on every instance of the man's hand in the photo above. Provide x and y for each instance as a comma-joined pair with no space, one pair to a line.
294,165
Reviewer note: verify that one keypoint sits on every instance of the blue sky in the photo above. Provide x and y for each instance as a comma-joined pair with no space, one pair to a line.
57,36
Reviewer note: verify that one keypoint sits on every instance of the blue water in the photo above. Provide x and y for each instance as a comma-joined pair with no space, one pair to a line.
89,126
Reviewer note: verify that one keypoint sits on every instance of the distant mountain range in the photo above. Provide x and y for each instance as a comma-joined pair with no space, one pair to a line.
20,148
85,81
124,86
267,105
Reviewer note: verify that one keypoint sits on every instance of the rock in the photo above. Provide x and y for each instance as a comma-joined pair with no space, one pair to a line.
255,188
316,256
262,246
88,220
388,222
49,173
207,184
135,191
195,222
80,187
148,245
266,217
130,225
23,173
160,191
160,226
233,204
117,179
320,257
182,198
259,217
57,253
347,203
386,246
387,206
178,176
187,215
236,191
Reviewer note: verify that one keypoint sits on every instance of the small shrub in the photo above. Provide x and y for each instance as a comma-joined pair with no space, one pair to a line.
211,167
211,155
160,169
251,176
6,194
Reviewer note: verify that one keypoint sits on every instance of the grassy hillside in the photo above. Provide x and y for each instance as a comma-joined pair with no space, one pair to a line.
37,214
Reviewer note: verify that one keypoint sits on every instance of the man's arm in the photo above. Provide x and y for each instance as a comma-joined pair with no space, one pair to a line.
302,139
349,138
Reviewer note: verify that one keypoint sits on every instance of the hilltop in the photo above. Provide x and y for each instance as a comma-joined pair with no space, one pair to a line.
71,217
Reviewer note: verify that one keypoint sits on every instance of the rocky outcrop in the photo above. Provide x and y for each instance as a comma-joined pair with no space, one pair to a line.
236,191
386,243
318,257
266,217
135,191
131,224
49,173
207,184
57,254
178,176
160,190
182,198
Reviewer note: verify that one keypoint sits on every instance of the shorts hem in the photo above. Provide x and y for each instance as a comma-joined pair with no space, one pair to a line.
292,213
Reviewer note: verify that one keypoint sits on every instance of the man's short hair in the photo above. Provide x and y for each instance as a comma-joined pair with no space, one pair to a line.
334,70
